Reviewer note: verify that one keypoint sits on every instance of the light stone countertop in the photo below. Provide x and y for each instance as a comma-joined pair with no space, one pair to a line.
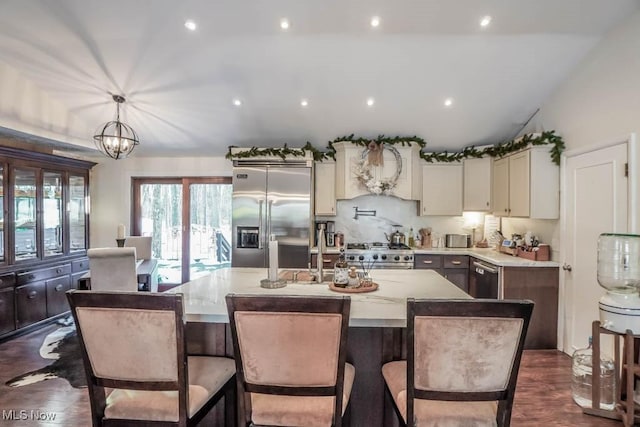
485,254
204,298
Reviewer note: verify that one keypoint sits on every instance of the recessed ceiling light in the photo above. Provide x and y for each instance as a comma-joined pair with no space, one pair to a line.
190,25
375,21
448,102
237,102
284,23
304,103
485,21
370,102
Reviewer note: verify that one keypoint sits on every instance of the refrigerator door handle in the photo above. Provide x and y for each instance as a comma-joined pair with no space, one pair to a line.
269,205
260,229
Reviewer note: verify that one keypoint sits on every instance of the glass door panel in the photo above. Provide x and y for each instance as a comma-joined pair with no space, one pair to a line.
2,256
161,217
77,213
210,228
52,213
25,214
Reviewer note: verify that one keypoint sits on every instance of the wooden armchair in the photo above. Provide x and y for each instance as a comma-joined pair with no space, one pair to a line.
463,358
290,357
138,373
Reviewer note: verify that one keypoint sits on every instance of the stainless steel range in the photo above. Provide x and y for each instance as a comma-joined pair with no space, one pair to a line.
379,255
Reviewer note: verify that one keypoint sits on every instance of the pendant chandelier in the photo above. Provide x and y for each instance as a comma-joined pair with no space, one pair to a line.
116,139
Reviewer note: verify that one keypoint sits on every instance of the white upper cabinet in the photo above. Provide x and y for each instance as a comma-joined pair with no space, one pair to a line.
398,159
527,184
325,188
477,184
441,189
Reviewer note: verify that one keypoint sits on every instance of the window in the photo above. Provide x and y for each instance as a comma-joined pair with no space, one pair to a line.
166,208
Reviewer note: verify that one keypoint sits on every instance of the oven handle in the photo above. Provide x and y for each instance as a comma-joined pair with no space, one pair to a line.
485,267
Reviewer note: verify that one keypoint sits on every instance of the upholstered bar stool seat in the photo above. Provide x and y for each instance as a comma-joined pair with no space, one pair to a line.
207,375
134,351
290,357
273,410
436,413
463,358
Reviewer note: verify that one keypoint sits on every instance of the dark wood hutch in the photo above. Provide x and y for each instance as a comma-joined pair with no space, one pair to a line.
44,235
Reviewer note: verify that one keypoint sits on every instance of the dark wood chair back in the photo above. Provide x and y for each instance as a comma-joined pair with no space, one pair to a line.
134,341
270,332
465,350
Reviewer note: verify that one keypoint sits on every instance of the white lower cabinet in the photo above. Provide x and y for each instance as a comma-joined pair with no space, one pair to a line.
441,189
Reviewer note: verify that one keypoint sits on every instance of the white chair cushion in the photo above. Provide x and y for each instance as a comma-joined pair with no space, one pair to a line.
207,375
308,411
436,413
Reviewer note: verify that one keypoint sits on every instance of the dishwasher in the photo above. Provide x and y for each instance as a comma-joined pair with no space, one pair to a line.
484,280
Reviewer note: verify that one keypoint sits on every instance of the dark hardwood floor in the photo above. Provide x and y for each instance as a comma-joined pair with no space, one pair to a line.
543,396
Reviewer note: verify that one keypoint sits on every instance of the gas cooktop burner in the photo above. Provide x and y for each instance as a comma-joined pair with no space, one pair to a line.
360,246
379,255
377,246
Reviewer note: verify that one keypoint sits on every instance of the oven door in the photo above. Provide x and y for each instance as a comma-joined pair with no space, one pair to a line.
484,280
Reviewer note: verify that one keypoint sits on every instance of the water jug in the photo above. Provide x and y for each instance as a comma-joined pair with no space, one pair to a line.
581,380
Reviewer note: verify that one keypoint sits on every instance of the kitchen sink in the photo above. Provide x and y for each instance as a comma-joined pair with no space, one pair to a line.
303,277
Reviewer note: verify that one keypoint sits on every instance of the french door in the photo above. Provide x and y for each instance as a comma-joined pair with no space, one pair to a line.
190,222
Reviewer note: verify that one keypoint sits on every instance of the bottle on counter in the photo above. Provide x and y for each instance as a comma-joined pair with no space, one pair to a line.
354,280
341,270
411,241
582,380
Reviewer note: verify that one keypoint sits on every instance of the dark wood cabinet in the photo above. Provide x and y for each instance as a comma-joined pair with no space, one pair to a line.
454,268
56,298
7,310
329,260
540,285
44,234
31,303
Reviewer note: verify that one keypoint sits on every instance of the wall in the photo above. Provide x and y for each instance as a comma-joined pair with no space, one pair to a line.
111,189
600,102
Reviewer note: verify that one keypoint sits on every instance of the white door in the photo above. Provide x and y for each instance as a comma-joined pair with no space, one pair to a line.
595,201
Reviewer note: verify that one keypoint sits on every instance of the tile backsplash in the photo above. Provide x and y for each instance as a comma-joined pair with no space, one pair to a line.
390,211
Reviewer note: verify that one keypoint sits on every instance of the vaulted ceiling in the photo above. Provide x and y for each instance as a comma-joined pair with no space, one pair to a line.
62,60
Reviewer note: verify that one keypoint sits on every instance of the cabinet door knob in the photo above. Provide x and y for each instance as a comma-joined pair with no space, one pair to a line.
32,294
58,270
58,287
31,277
566,267
427,261
456,262
326,261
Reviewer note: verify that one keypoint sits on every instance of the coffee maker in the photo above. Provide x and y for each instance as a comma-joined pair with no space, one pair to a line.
330,237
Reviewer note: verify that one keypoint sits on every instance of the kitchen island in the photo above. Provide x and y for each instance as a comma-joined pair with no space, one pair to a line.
377,323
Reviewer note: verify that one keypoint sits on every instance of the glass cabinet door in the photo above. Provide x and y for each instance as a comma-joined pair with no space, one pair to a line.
2,253
52,213
77,212
25,213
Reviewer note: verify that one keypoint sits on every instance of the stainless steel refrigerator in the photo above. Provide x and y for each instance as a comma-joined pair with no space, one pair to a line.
271,199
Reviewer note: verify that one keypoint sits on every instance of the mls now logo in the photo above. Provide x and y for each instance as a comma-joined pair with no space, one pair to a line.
24,414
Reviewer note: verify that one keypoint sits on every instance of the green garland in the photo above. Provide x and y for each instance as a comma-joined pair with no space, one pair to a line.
498,150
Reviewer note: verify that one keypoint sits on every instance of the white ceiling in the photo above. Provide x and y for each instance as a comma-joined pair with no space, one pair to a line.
180,85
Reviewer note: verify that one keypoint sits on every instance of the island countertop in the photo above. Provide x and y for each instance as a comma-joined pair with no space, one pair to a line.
204,298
